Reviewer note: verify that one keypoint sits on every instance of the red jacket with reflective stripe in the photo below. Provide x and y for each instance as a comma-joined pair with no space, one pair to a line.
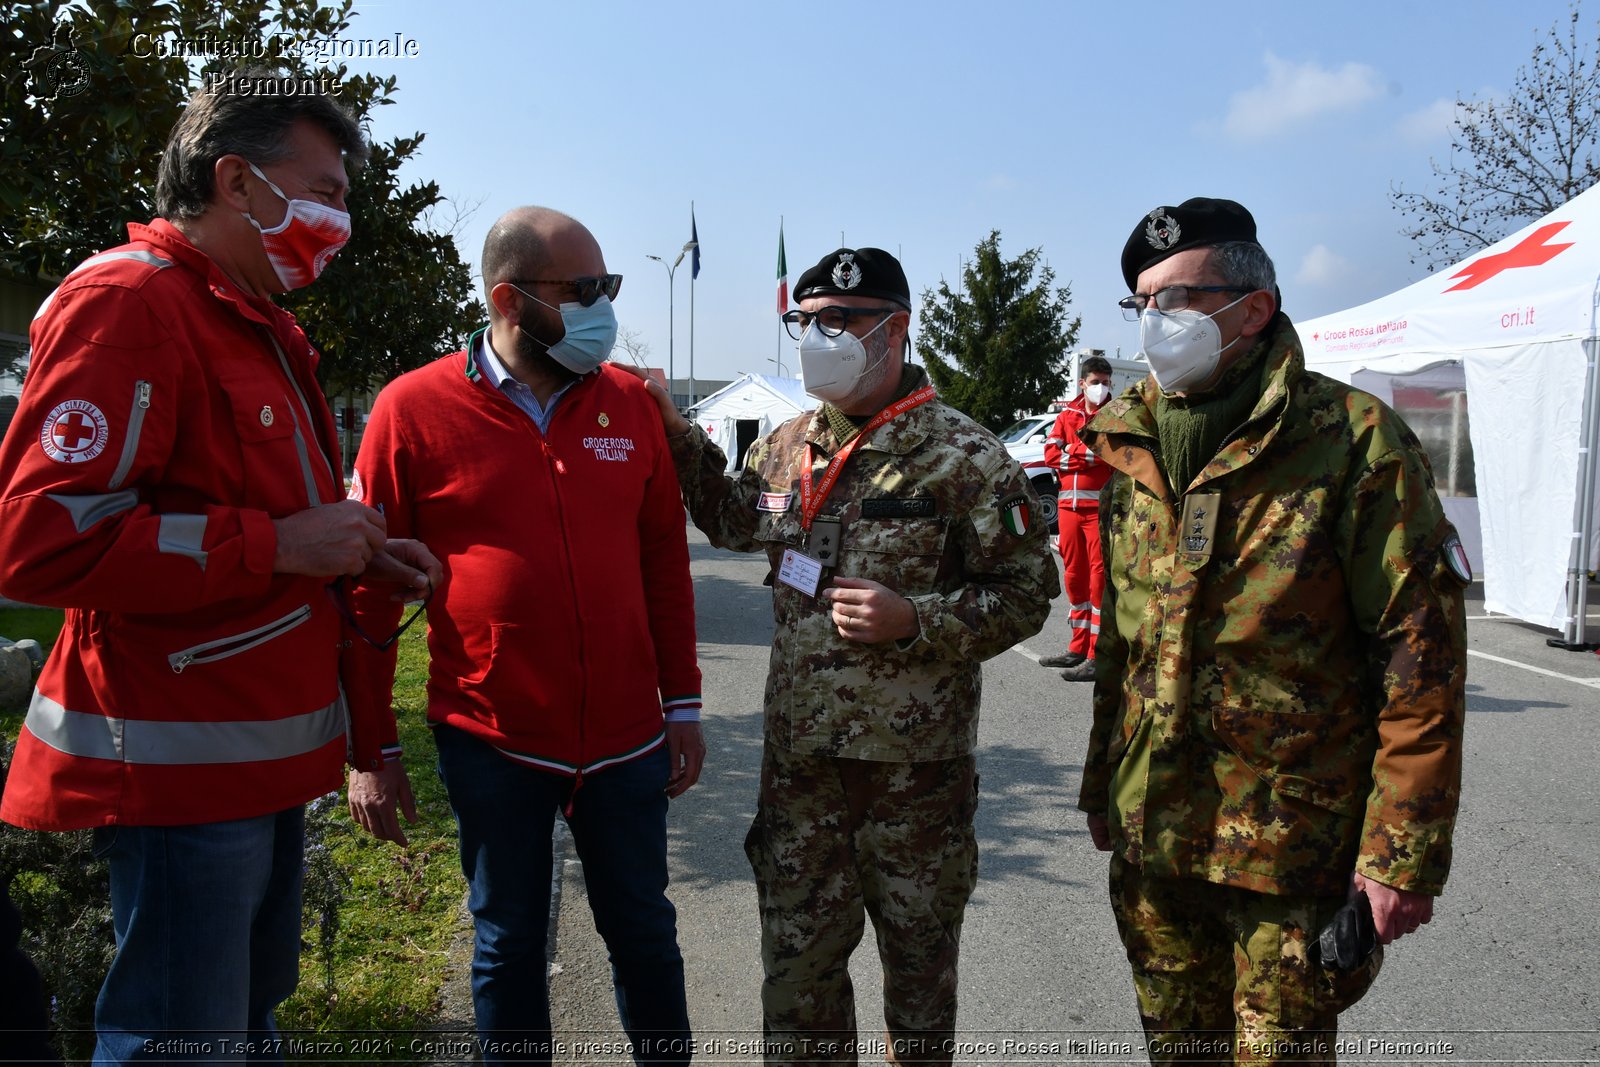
167,419
1083,474
565,620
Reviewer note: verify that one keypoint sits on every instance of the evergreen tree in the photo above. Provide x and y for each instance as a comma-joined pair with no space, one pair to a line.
998,348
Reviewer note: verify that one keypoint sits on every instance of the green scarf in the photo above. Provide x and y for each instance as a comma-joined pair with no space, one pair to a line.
1193,428
845,426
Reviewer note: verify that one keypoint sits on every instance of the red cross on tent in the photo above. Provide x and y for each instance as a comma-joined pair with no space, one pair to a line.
1531,251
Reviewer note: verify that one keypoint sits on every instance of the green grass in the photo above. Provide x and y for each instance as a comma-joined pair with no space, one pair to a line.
399,906
40,624
396,908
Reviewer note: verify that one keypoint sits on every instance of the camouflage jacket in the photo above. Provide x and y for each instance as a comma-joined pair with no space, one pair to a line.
1281,682
931,506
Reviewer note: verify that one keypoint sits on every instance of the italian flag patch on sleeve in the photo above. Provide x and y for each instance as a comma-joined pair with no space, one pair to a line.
1016,514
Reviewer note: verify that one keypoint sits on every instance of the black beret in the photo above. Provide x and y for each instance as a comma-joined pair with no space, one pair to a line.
1196,223
856,272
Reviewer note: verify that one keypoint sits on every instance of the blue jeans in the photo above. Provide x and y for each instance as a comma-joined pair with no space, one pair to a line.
207,919
505,812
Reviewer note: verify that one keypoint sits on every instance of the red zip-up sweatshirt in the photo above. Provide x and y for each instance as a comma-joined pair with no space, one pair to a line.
167,420
564,626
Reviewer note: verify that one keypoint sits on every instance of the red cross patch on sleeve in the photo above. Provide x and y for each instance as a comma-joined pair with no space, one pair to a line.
75,431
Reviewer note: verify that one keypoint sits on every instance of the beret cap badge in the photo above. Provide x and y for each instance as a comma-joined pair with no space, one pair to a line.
846,275
858,272
1162,230
1198,222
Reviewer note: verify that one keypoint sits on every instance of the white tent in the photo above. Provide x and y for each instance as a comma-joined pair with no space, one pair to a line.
1514,326
750,407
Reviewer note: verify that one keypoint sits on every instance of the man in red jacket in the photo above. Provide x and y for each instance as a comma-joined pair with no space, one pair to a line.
1078,502
171,478
562,639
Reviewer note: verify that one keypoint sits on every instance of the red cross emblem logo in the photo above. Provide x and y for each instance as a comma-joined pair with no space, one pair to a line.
1532,251
74,432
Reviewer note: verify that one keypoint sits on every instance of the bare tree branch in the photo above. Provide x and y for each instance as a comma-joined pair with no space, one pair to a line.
1515,160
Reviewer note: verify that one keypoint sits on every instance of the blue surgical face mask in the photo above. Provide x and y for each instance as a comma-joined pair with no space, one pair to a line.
590,333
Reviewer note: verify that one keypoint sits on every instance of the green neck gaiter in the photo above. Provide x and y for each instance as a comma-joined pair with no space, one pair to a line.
845,426
1192,428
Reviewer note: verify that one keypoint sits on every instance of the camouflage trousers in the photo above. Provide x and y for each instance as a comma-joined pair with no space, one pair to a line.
1225,973
835,840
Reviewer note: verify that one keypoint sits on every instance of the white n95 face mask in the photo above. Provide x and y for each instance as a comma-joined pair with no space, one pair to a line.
1098,393
832,367
1182,347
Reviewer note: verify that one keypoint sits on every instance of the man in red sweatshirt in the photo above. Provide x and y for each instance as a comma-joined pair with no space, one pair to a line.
562,639
1082,476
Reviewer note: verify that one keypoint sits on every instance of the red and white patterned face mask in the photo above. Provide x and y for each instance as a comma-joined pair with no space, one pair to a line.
307,239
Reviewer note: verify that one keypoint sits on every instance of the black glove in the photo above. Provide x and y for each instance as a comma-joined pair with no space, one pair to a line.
1347,941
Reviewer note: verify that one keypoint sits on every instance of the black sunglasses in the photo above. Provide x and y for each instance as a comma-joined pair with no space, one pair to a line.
589,287
339,591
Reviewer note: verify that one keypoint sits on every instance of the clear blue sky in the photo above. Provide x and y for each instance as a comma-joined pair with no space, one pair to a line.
919,127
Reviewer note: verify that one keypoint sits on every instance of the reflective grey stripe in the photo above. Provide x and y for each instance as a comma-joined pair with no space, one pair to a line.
128,253
130,446
1071,495
90,508
79,733
75,734
182,535
106,257
299,438
305,461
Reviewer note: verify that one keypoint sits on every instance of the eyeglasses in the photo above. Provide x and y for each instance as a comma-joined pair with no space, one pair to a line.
588,287
1172,298
831,320
341,601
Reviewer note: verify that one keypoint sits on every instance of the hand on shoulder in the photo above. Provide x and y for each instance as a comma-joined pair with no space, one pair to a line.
671,419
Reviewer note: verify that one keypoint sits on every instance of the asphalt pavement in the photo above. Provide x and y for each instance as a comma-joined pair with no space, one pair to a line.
1507,971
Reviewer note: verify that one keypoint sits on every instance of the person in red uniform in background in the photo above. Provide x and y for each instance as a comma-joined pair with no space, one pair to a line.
1082,475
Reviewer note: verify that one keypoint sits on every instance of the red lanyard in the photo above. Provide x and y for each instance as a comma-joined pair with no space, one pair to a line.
809,504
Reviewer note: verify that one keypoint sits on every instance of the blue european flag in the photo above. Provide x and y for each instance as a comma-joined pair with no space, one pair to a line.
694,238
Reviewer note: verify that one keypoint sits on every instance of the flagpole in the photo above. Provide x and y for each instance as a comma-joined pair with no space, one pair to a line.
693,274
783,279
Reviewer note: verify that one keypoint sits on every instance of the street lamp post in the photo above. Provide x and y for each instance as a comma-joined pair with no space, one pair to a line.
672,332
779,362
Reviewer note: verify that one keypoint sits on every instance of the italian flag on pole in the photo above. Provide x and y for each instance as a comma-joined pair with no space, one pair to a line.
783,274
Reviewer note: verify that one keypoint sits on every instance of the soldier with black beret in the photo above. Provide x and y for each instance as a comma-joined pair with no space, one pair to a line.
1280,683
904,552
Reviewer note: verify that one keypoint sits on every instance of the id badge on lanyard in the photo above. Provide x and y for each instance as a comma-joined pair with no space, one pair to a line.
803,570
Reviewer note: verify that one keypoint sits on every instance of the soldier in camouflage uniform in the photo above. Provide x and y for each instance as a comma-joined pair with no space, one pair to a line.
931,560
1280,692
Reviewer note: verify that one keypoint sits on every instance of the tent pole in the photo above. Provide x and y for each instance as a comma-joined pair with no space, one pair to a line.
1576,637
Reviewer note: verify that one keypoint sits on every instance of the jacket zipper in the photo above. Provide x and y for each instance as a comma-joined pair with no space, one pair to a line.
130,447
560,469
224,647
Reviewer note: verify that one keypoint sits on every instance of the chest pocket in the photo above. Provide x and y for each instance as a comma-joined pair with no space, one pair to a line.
263,423
903,554
779,530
